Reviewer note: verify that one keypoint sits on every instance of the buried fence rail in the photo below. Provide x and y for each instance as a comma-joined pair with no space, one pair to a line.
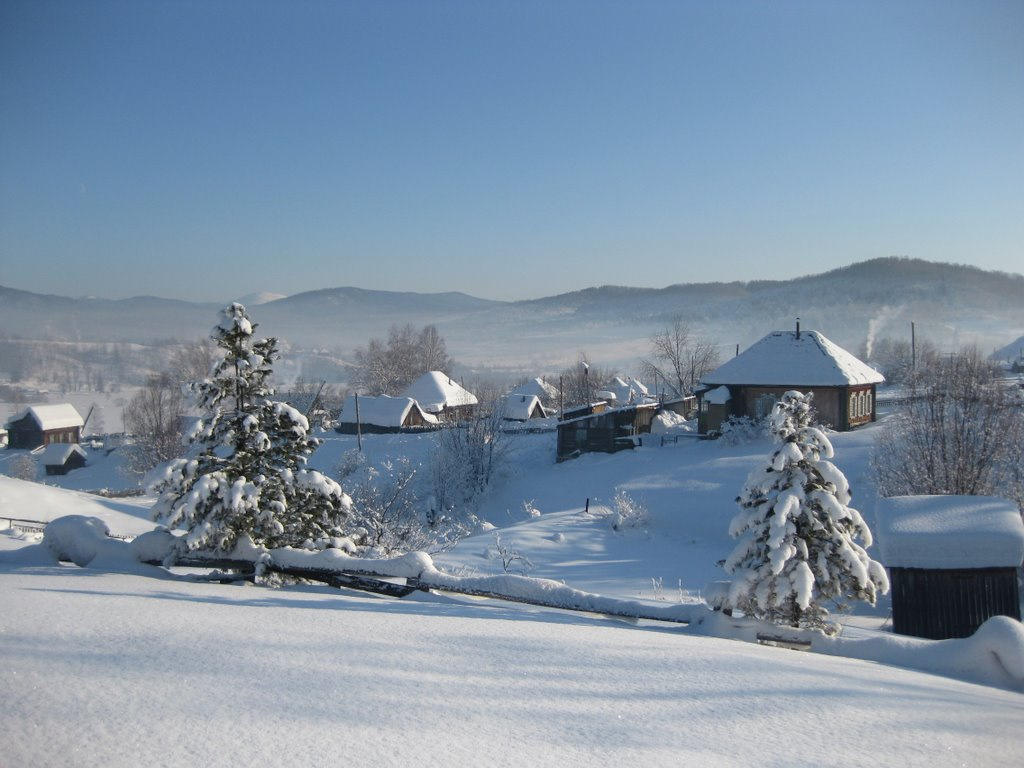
23,524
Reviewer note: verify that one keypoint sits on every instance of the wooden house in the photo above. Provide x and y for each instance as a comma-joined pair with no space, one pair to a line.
625,391
952,560
546,393
441,397
61,458
516,407
749,384
605,431
381,415
44,424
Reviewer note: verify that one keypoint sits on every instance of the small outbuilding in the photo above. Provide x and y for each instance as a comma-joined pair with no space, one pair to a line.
382,415
546,393
44,424
606,431
438,395
61,458
953,561
522,408
749,384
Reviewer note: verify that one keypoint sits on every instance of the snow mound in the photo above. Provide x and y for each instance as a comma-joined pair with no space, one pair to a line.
76,538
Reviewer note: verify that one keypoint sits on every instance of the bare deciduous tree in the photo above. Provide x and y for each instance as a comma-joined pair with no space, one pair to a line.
959,430
154,417
580,383
898,359
387,368
680,359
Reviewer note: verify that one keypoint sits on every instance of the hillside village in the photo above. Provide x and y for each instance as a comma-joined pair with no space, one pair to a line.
594,492
590,492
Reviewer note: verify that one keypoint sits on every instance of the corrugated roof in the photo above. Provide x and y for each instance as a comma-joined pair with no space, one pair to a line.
785,359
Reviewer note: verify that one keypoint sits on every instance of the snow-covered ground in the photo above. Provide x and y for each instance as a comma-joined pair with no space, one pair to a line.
126,666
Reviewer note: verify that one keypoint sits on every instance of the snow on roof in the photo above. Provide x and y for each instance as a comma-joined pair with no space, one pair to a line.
56,454
785,358
537,387
62,416
626,390
383,411
435,391
717,396
520,407
949,532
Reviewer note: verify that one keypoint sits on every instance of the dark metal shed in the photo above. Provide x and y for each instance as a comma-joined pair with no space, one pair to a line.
953,562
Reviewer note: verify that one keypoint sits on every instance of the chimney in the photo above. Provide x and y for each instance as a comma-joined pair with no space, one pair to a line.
798,329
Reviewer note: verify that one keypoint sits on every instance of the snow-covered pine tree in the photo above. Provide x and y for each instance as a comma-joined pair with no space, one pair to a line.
797,534
245,472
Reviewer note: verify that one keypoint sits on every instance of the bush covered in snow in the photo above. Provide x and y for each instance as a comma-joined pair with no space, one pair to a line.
740,430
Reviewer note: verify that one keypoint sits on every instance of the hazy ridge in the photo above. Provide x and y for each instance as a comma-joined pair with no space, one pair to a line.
951,305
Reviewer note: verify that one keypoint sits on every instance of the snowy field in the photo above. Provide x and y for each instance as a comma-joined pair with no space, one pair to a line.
119,664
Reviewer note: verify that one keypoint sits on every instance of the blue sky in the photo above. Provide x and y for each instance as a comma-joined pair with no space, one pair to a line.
208,149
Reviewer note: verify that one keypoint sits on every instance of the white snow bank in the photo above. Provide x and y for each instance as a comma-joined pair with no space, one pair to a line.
669,421
949,532
993,655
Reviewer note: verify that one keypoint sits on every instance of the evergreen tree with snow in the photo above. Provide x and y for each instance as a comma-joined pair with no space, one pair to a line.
797,547
245,473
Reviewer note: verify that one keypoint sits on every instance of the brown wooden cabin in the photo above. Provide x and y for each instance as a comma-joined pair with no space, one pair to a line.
844,388
44,424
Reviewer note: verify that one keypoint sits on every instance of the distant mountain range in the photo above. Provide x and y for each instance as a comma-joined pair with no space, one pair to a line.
951,305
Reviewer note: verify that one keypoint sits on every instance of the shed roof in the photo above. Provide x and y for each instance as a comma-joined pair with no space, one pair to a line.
949,532
57,454
520,407
537,387
61,416
382,411
435,391
626,390
788,358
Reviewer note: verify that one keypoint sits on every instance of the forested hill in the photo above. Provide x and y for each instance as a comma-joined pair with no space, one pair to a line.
950,304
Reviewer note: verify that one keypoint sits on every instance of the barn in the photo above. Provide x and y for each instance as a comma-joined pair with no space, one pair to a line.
749,384
952,560
381,415
44,424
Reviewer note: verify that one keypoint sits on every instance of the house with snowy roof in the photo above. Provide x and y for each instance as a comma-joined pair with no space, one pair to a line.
625,391
516,407
539,388
749,384
44,424
439,396
61,458
952,561
383,414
